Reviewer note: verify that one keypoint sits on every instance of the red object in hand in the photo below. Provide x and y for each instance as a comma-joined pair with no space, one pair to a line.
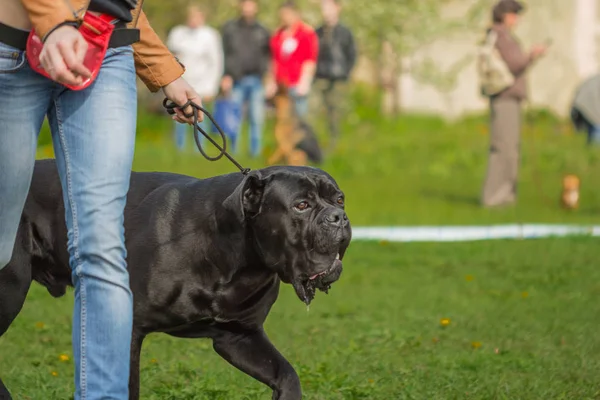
95,30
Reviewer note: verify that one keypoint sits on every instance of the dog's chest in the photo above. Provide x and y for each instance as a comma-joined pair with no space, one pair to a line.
244,301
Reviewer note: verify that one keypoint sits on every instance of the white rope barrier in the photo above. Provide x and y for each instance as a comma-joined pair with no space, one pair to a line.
470,233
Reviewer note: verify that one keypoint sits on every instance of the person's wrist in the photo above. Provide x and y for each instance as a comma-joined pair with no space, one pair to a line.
173,81
72,24
179,62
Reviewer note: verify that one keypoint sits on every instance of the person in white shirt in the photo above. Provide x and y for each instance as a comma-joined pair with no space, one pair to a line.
198,47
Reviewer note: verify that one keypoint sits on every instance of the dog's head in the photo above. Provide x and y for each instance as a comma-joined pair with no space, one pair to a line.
570,182
298,224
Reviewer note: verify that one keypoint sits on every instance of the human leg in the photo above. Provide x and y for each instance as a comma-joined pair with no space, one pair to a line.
94,136
300,103
238,95
256,113
24,99
180,131
502,175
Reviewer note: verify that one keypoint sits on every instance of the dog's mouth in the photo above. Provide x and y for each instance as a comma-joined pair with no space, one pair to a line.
306,288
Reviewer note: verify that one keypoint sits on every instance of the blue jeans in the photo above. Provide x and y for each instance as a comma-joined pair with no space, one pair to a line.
182,131
593,137
93,132
300,103
250,90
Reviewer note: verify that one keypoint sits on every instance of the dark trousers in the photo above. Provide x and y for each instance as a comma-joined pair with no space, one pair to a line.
333,97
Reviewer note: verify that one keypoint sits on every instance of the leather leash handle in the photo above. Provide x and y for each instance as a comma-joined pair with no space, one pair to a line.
171,107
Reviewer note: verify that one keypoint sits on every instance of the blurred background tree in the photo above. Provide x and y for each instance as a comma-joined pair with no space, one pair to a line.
386,31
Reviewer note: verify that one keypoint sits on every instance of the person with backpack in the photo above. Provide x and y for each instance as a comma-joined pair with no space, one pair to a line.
503,71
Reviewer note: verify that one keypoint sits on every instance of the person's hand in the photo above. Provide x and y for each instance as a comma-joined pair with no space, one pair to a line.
270,89
226,84
538,51
180,92
303,88
63,54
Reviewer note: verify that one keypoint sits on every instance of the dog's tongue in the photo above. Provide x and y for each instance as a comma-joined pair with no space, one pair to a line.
312,278
315,276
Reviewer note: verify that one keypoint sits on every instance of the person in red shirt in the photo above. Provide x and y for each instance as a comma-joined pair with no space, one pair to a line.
294,49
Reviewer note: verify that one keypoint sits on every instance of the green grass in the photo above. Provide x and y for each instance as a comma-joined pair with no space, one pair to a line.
530,305
419,170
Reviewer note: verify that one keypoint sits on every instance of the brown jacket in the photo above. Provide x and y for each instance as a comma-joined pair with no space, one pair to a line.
154,63
517,61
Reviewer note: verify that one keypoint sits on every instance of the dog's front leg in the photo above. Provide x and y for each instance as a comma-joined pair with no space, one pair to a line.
253,353
4,395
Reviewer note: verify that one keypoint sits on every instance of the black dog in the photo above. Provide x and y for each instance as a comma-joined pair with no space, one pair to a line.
205,257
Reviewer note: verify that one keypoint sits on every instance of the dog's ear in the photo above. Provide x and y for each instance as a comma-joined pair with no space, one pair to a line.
246,199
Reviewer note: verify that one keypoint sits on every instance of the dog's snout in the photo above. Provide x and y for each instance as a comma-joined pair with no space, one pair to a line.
337,218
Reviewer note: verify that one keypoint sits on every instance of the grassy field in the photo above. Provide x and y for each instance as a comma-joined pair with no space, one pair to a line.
485,320
522,323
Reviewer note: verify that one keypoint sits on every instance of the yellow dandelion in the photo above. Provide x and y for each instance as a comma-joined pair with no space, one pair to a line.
48,151
371,380
153,361
384,243
40,325
63,358
524,295
476,345
54,373
445,321
469,278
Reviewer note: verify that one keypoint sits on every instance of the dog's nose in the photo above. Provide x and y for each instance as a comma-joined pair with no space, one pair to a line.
337,218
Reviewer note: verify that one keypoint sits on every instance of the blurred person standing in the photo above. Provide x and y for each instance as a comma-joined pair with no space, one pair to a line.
585,110
198,47
500,187
247,57
337,57
294,49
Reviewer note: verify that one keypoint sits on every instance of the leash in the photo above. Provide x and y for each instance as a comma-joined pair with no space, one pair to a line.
171,107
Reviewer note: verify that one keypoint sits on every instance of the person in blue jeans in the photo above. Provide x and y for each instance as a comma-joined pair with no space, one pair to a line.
247,57
93,133
198,46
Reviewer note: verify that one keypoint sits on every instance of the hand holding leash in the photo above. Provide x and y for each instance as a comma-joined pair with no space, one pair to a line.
180,92
172,109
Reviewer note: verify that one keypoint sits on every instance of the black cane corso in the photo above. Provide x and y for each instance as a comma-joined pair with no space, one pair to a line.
205,257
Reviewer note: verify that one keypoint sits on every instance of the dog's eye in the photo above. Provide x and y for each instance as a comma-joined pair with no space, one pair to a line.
303,205
340,201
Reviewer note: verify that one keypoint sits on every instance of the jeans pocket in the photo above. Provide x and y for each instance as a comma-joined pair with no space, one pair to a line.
11,59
